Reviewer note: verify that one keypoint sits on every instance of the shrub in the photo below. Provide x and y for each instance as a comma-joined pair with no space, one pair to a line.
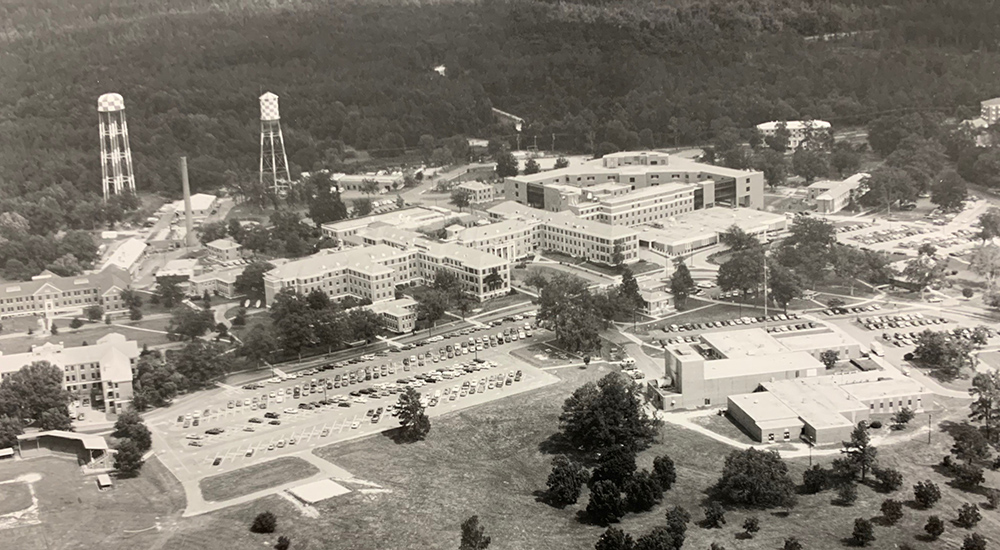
265,522
642,492
968,476
892,511
815,479
902,418
968,516
967,292
792,543
889,479
864,532
283,543
926,493
715,515
847,493
677,520
664,472
75,323
751,525
565,481
934,527
876,425
605,504
993,498
756,479
974,541
614,539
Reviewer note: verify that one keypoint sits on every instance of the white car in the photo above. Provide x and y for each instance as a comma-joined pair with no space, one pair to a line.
290,410
354,425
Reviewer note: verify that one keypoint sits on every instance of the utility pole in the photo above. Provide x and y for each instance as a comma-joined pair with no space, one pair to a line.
929,428
553,142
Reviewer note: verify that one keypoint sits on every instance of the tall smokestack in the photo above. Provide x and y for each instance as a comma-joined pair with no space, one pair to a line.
189,239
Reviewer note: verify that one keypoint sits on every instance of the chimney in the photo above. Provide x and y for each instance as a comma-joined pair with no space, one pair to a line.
189,238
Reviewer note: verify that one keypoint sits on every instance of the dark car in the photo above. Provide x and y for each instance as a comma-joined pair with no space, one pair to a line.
344,404
255,420
275,422
217,461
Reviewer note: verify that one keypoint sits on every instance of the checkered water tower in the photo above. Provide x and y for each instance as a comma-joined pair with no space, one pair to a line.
273,161
116,156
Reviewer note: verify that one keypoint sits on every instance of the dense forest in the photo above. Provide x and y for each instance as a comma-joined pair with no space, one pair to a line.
360,74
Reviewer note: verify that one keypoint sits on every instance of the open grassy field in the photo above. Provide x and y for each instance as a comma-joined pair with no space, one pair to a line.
88,333
75,515
14,497
493,460
256,478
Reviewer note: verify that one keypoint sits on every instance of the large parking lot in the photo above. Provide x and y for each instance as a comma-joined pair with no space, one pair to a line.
271,420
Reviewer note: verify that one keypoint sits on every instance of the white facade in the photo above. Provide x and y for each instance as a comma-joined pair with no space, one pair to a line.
798,130
479,193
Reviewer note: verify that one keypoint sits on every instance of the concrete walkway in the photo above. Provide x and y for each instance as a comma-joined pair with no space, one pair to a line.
197,505
685,420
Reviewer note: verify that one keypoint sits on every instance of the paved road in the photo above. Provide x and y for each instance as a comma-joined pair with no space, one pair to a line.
190,464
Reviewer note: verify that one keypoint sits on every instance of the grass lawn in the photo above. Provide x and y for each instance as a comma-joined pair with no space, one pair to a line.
14,497
74,514
72,338
492,461
256,478
502,302
714,312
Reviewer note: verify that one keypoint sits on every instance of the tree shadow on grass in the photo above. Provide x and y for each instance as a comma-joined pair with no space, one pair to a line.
401,436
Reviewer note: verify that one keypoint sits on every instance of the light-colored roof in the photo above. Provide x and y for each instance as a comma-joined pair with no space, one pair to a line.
368,259
224,275
829,338
467,256
103,480
885,388
763,408
494,230
112,352
223,244
90,442
199,202
474,186
708,223
564,220
793,124
751,342
6,451
396,308
126,254
180,266
596,167
647,192
380,178
108,278
406,218
761,365
819,401
317,491
994,101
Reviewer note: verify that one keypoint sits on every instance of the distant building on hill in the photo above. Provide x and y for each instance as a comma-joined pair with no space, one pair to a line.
798,130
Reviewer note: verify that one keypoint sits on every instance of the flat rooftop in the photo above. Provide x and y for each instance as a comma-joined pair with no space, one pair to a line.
886,388
761,365
816,339
317,491
406,218
764,408
645,192
670,164
819,401
709,222
751,342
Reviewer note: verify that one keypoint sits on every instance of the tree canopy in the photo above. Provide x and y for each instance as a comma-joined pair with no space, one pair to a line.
607,415
757,479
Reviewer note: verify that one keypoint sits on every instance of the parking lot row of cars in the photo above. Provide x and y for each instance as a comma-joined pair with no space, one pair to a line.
886,235
729,322
829,312
853,227
374,415
903,320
